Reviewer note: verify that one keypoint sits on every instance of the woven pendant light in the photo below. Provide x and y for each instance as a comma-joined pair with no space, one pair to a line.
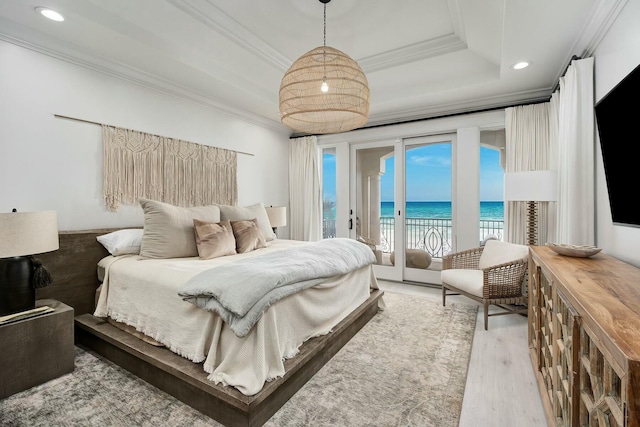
324,91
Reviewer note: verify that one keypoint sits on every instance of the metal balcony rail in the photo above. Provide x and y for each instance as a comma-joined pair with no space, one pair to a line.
433,235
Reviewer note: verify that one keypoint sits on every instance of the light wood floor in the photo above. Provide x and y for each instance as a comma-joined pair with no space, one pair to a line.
501,387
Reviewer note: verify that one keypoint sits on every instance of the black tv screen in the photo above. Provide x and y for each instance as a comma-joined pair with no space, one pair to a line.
618,119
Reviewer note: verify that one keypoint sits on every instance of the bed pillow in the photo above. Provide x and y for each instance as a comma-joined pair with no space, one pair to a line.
257,211
168,229
214,239
122,242
248,235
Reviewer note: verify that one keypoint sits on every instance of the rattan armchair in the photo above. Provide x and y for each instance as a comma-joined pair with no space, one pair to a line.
491,275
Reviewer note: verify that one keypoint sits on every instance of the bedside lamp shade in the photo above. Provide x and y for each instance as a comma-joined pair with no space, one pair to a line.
23,234
531,187
277,216
28,233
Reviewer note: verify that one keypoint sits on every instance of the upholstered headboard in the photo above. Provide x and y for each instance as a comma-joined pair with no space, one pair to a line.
73,268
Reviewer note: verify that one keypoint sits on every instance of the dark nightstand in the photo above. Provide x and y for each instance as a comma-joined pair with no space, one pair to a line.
36,350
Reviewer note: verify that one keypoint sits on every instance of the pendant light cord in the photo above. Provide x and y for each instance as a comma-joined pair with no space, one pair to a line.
325,24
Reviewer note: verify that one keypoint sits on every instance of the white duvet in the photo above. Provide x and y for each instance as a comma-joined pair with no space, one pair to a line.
143,293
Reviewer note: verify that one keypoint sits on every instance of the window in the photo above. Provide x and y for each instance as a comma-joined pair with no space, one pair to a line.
491,195
328,193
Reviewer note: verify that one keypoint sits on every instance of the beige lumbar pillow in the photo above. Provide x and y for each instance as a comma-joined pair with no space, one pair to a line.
168,229
257,211
214,239
248,235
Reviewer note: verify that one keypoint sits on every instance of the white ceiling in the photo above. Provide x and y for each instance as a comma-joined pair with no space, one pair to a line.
423,58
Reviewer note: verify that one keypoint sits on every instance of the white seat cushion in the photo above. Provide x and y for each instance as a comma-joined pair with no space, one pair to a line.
467,280
497,252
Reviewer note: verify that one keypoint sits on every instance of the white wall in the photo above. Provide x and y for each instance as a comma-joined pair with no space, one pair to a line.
615,56
48,163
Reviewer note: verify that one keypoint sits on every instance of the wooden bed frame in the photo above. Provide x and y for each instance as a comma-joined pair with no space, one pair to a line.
74,271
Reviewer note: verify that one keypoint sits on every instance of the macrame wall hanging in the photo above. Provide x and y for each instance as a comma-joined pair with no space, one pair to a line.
138,164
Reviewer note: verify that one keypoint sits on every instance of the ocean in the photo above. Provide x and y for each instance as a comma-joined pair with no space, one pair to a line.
436,215
488,210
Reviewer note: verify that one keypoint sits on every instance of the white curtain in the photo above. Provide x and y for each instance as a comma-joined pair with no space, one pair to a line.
554,123
305,198
576,199
529,147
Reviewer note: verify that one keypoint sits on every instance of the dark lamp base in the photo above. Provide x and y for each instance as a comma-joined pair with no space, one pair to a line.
16,289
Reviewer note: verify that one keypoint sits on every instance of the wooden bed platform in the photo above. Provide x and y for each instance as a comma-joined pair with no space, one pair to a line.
76,262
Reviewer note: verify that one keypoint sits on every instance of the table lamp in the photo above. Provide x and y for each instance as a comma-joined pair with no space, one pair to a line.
531,187
22,235
277,216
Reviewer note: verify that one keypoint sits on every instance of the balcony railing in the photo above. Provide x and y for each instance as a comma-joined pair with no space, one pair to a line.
328,228
433,235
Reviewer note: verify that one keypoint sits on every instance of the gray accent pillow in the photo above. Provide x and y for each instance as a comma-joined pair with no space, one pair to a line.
248,235
168,229
214,239
257,211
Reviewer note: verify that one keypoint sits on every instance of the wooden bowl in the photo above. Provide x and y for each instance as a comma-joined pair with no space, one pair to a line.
581,251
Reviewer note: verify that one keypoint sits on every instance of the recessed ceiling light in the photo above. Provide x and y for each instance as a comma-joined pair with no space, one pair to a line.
49,13
520,65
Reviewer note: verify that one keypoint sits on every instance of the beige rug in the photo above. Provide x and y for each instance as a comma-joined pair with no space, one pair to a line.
406,367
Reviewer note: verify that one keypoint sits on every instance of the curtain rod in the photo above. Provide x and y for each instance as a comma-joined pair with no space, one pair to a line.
480,110
59,116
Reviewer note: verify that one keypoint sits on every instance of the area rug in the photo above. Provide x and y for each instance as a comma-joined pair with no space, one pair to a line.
406,367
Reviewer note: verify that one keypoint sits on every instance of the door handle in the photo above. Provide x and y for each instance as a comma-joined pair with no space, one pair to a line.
350,224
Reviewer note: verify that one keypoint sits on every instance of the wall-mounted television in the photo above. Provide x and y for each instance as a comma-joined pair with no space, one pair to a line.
618,119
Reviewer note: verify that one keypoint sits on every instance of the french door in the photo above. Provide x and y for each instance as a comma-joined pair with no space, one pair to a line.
375,218
400,204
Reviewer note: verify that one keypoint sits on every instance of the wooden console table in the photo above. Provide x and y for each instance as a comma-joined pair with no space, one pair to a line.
584,338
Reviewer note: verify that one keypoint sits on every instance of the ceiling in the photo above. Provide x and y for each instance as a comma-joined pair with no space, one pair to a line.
422,58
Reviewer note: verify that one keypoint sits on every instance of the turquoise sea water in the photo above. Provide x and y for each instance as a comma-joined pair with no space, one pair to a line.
488,210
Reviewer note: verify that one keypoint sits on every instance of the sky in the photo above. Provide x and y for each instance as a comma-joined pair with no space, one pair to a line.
428,175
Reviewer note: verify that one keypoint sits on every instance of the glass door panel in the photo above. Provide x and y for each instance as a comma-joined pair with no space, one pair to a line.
328,193
428,214
374,195
491,195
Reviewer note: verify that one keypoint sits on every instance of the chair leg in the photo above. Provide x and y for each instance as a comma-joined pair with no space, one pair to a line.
444,295
486,316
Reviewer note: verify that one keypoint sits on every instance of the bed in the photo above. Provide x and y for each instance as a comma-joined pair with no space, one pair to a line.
143,293
209,377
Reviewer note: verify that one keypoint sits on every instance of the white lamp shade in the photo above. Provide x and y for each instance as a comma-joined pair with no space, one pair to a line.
531,186
277,216
28,233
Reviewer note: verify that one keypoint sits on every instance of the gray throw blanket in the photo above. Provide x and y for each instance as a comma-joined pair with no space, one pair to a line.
242,290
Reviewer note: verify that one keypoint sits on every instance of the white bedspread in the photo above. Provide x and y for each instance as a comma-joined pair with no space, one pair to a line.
241,291
143,293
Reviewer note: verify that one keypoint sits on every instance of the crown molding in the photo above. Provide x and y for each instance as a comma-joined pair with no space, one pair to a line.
415,116
207,13
468,106
603,15
457,21
412,53
146,80
485,120
213,17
